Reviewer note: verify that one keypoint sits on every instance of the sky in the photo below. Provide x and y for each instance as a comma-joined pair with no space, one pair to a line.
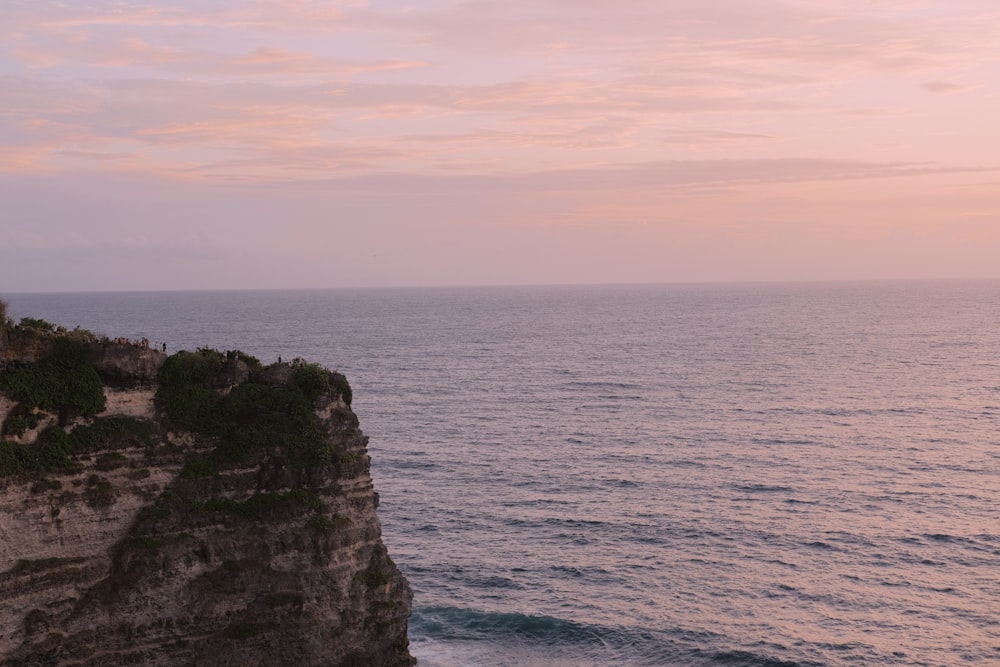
200,144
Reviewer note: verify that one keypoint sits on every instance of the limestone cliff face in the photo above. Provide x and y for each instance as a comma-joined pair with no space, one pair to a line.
126,539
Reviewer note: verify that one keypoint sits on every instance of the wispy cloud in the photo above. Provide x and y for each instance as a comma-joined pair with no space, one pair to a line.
554,113
945,87
233,88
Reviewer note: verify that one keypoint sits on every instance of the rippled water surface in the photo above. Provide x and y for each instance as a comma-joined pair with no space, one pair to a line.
657,475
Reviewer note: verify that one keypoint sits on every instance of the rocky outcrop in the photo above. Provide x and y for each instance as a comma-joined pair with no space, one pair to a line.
127,363
234,529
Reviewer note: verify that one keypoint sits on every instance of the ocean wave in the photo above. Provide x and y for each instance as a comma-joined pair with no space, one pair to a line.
747,659
763,488
491,581
578,384
488,638
461,624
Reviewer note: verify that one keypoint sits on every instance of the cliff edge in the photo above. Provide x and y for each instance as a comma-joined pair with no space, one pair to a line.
193,509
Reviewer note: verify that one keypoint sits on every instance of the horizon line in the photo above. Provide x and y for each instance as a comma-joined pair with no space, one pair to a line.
691,283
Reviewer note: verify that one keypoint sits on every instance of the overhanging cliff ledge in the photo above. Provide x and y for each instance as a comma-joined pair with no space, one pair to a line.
193,509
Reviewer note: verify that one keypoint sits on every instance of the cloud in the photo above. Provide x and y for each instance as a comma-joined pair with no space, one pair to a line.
141,248
218,90
296,14
944,87
347,120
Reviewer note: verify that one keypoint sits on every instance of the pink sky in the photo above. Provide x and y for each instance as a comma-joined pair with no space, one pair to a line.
208,144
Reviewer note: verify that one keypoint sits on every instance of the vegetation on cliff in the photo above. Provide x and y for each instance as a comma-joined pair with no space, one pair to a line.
252,416
230,521
229,397
55,450
46,369
32,331
63,383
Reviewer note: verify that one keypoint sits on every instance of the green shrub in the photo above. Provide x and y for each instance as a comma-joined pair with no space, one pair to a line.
185,391
85,335
63,382
54,447
47,454
21,419
253,416
35,621
32,323
45,484
314,381
339,385
252,361
116,431
321,524
162,450
258,416
10,458
250,418
101,494
375,576
110,461
198,468
261,506
311,379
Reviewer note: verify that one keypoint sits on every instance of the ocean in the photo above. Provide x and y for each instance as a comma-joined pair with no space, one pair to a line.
759,475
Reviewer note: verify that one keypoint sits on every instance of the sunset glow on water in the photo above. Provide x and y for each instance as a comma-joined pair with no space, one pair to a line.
753,418
658,475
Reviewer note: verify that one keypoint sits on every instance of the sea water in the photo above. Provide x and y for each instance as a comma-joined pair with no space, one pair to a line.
759,475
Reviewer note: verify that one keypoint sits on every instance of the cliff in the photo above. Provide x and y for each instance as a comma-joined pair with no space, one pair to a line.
197,509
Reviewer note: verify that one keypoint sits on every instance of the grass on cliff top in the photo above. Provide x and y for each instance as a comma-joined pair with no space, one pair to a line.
252,416
64,382
32,330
